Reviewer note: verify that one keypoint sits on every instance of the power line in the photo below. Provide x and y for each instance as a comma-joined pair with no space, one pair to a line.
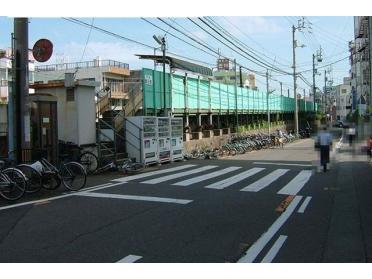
249,55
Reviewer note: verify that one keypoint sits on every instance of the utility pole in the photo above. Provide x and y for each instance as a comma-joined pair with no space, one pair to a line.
236,96
299,27
314,88
294,78
281,98
22,110
288,93
325,91
267,100
163,49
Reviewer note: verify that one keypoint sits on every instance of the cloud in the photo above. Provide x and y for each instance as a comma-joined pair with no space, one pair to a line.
254,25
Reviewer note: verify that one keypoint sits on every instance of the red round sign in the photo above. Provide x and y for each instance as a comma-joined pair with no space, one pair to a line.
42,50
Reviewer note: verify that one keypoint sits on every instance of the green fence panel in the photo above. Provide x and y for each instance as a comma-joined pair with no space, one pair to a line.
178,90
204,94
192,89
215,96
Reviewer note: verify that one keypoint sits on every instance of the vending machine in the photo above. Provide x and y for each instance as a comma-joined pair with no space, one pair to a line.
164,139
142,138
176,138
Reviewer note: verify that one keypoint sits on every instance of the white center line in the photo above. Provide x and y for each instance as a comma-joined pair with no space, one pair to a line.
296,184
275,249
265,181
304,205
282,164
206,176
234,179
257,247
132,197
177,175
147,174
130,259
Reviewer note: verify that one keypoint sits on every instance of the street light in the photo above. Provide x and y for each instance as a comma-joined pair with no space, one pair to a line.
161,41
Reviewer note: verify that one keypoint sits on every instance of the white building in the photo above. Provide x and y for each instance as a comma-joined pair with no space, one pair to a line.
6,73
343,99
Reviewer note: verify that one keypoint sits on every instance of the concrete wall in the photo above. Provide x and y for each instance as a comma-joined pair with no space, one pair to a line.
86,114
218,141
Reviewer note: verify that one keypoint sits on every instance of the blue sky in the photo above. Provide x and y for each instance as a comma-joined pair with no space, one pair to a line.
271,36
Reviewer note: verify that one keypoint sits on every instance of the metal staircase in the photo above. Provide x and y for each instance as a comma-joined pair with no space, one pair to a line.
110,121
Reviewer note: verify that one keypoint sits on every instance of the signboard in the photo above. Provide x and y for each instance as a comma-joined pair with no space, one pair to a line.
223,64
42,50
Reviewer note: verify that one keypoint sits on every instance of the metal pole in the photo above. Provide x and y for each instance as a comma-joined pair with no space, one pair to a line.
267,100
11,131
236,96
22,110
164,89
314,88
325,92
294,78
241,76
281,98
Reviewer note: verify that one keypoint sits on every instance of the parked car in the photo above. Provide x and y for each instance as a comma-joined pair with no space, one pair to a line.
341,124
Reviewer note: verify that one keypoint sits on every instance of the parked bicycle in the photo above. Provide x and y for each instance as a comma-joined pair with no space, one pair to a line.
12,183
130,167
71,174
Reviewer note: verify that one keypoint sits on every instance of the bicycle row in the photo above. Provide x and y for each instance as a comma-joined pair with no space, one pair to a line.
242,144
16,180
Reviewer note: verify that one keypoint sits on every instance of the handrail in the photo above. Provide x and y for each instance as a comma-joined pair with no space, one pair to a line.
112,128
85,64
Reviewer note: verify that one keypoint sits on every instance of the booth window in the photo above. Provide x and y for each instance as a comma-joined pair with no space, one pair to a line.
70,95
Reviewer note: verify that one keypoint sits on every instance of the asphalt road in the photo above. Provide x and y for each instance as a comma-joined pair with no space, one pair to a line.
266,206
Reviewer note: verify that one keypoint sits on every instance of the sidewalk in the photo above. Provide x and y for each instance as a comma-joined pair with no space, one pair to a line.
350,228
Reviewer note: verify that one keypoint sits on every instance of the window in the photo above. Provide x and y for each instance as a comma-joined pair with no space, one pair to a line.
219,78
70,95
232,78
343,91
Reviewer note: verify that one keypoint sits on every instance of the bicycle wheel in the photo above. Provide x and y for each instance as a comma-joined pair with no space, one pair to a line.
50,180
17,184
89,161
73,176
33,178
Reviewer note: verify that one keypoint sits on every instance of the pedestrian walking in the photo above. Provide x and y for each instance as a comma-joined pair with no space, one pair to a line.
324,141
351,132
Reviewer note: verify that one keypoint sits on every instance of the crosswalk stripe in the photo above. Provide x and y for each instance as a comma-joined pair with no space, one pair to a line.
234,179
176,175
130,259
296,184
147,174
265,181
133,197
206,176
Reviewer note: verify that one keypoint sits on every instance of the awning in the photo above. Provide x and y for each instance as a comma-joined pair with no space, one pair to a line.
176,63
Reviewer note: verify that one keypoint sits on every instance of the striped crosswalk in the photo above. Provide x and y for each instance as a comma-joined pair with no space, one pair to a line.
258,178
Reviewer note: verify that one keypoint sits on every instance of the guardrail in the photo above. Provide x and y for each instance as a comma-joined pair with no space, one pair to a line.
86,64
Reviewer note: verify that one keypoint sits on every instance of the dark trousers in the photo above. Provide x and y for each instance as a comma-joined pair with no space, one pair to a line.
324,155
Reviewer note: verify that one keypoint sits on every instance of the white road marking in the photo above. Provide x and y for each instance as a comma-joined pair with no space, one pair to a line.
177,175
274,250
206,176
282,164
147,174
130,259
265,181
234,179
64,195
304,205
296,184
132,197
257,247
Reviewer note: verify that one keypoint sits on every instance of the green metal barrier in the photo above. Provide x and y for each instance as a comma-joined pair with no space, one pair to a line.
196,94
